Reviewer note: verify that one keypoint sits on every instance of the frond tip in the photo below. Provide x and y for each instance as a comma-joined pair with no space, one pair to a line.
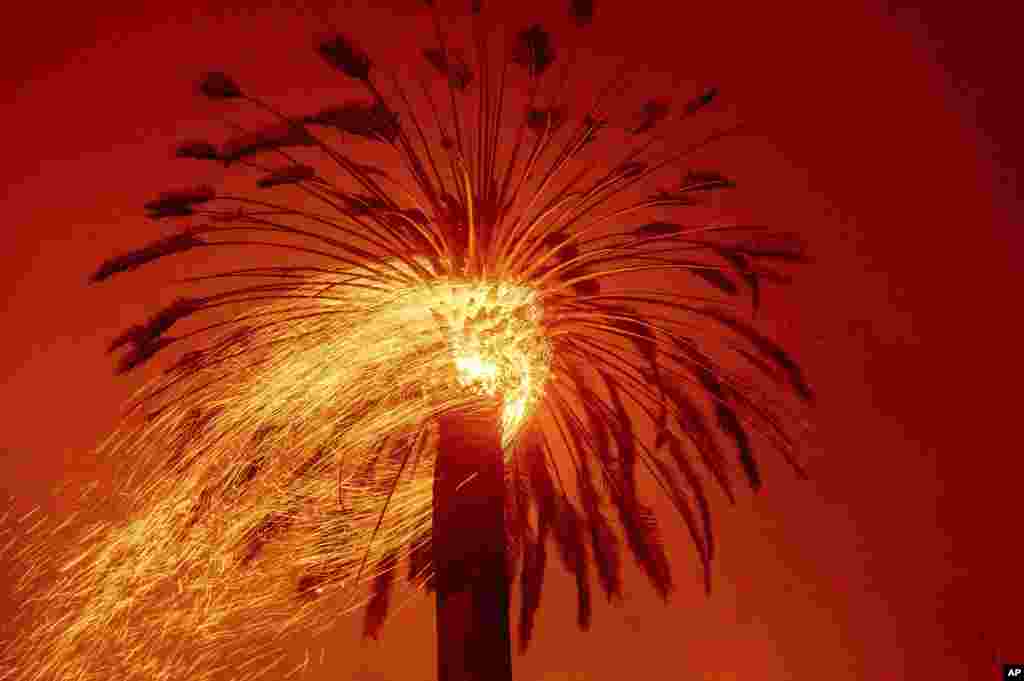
219,85
148,334
177,243
581,12
654,111
377,609
700,101
179,202
374,121
533,50
196,149
293,174
343,55
269,139
451,64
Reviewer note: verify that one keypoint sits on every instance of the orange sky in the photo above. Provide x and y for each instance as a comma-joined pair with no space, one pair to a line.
883,134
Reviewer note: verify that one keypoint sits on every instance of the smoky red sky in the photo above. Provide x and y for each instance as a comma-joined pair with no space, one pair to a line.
883,132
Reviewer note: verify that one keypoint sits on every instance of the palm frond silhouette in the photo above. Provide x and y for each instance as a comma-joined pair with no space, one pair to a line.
520,275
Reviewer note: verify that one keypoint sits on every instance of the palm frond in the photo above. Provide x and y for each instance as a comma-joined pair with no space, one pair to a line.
380,599
531,581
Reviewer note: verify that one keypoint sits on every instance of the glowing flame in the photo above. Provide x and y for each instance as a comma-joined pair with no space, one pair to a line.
496,344
475,369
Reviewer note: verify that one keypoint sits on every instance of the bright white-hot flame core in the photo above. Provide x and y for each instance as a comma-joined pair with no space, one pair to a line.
475,369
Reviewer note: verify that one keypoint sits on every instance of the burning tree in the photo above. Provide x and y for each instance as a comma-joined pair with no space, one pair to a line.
449,366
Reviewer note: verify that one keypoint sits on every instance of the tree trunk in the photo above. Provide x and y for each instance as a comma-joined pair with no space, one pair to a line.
473,640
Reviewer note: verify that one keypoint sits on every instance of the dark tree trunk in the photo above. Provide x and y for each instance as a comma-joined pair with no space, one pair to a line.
473,641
